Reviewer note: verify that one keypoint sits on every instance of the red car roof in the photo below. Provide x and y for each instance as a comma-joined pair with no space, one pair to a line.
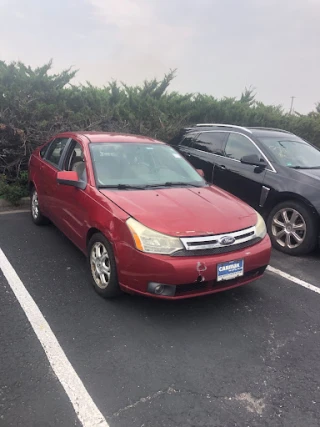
111,137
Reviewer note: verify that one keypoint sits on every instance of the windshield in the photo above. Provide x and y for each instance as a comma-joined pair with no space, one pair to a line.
140,165
294,153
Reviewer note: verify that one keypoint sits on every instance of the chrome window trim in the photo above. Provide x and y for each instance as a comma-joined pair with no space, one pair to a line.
223,125
274,129
272,169
213,240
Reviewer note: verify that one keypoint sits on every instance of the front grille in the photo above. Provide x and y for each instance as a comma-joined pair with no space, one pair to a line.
216,251
218,244
196,288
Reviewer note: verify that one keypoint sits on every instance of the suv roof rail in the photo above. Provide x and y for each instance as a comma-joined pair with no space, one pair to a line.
222,125
267,128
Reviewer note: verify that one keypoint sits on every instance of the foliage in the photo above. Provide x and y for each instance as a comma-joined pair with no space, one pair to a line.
13,192
35,104
3,183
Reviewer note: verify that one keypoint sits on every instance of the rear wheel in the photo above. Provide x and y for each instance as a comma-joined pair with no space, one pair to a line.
103,267
36,214
293,228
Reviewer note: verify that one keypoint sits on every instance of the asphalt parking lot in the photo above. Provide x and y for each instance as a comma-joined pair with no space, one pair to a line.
247,357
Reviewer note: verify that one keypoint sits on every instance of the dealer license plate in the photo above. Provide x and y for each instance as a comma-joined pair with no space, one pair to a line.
230,270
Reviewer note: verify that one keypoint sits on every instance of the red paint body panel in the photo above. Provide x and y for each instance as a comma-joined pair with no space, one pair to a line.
186,211
172,211
137,269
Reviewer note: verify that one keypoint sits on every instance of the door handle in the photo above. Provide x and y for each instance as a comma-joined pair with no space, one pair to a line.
188,155
221,167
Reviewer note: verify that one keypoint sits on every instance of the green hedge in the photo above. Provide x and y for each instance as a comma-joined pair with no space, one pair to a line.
35,104
14,191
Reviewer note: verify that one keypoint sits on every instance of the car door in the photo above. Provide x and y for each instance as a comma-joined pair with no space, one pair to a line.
49,168
72,206
242,180
203,150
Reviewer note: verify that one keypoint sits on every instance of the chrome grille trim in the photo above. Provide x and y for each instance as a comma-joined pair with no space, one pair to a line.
213,241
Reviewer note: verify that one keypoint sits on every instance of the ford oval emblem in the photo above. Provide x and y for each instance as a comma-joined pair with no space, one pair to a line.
227,240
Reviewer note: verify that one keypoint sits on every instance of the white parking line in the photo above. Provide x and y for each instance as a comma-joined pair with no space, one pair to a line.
294,279
86,410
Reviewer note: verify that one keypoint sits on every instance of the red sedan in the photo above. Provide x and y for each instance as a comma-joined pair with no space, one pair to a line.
146,219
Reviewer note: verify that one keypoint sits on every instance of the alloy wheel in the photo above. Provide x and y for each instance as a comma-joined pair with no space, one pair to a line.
35,205
288,228
100,265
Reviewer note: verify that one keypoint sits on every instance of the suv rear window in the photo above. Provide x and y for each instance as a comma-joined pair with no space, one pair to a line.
211,142
187,141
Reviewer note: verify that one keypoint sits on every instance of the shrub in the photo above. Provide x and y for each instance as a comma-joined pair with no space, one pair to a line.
36,104
14,192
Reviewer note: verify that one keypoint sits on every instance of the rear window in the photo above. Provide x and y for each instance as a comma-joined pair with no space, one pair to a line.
187,141
55,151
44,150
211,142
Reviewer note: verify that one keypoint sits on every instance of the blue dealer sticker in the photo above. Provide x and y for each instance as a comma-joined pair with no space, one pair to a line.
230,270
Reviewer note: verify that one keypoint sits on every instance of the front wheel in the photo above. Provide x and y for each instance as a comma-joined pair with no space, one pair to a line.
293,228
103,267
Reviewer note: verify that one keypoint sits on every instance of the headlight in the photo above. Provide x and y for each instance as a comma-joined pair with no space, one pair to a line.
261,229
150,241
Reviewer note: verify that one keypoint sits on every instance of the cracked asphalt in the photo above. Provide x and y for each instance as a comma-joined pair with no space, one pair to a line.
247,357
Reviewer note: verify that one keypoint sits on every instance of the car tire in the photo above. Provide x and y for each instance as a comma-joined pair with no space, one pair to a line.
36,214
293,228
102,267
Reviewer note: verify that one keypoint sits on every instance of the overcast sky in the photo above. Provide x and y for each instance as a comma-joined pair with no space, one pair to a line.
218,47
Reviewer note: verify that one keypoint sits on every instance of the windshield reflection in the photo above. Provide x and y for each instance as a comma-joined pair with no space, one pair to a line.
141,165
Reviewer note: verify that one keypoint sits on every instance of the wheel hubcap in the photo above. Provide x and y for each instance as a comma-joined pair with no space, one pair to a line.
100,265
35,205
289,228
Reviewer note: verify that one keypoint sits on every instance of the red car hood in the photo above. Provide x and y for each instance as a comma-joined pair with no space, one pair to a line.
185,211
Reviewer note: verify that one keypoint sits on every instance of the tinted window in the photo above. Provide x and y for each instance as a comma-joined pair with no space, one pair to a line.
239,146
211,142
55,150
76,162
187,141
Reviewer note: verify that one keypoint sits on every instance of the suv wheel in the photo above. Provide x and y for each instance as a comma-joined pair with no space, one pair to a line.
293,228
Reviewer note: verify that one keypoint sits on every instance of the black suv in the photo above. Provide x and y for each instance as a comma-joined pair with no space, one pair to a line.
272,170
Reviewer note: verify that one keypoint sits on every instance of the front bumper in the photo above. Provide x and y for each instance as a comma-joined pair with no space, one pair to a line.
136,270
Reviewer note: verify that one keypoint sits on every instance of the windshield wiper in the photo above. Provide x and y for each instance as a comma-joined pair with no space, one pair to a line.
123,187
175,184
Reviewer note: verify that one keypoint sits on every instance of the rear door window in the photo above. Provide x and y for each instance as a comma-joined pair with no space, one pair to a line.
187,141
44,150
56,150
211,142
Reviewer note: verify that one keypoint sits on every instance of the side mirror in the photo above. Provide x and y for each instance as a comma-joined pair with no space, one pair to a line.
200,172
71,179
254,160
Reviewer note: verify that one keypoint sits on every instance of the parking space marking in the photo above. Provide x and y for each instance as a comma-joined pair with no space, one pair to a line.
86,410
15,211
294,279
